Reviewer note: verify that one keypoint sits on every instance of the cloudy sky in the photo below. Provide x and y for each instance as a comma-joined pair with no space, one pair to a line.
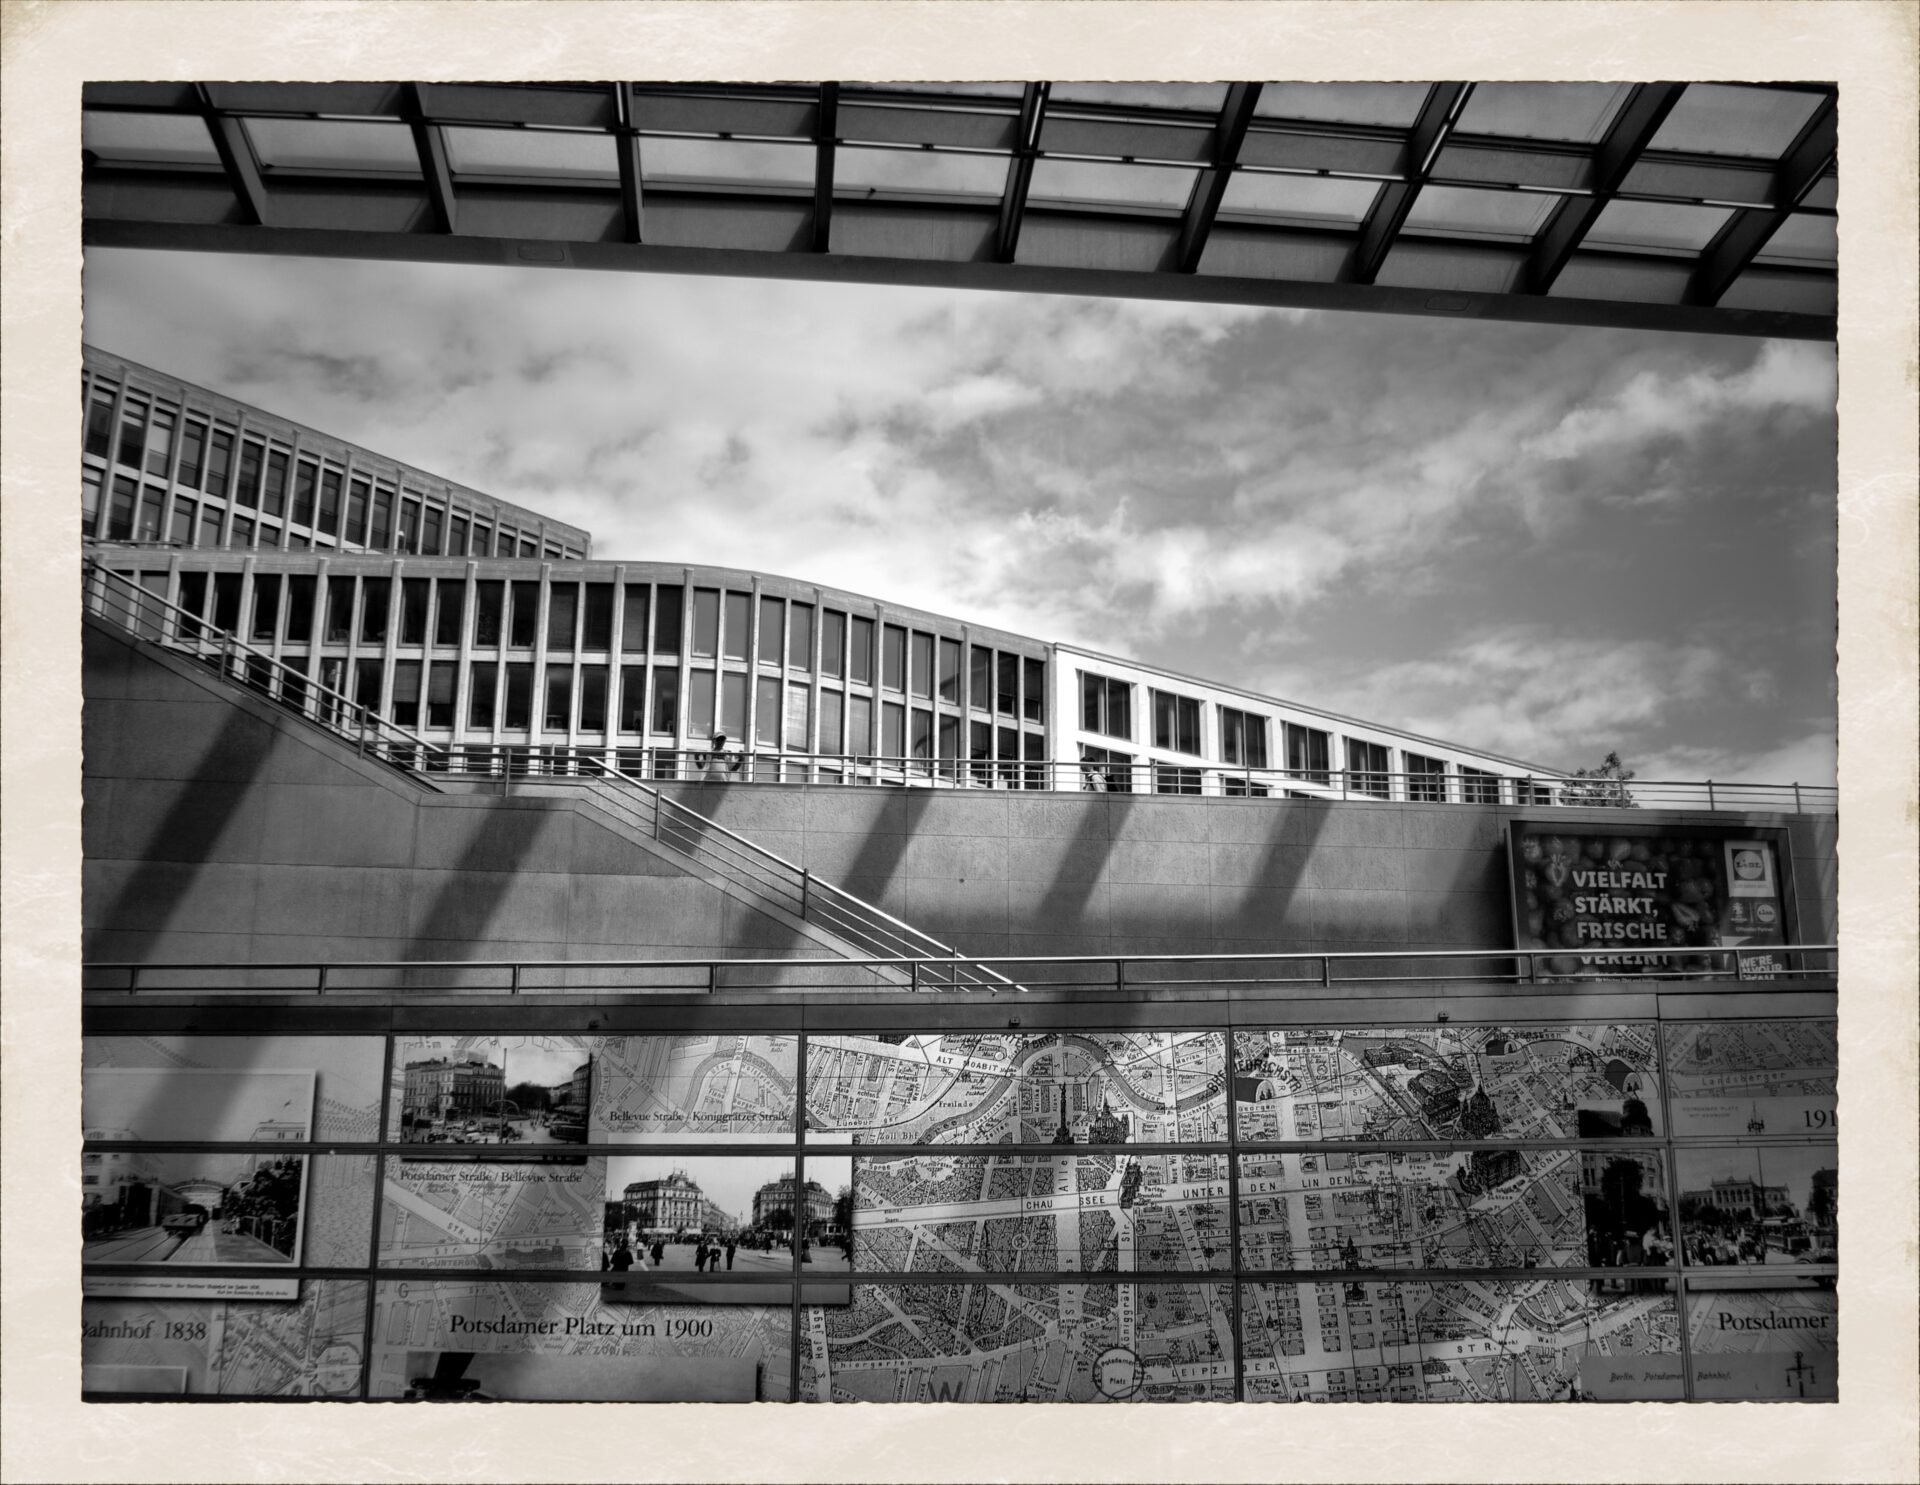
1546,542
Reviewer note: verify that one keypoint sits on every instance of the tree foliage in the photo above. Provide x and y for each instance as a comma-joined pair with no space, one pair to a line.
1604,786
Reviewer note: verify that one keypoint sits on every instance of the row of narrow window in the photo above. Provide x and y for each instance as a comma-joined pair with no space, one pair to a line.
1106,708
257,477
580,618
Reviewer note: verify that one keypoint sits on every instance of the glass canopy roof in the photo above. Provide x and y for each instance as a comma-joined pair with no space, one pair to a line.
1699,206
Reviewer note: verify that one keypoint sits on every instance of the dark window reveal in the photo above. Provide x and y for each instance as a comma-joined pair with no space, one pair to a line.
490,602
1176,723
1106,705
447,616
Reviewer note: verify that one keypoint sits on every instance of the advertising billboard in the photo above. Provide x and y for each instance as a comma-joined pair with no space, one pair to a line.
1642,899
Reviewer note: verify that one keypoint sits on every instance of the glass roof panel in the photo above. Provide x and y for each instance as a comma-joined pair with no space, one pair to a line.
147,136
1576,112
531,152
1309,198
964,89
1393,104
1497,213
860,170
1206,97
1804,238
1717,119
330,144
732,161
1099,181
1658,224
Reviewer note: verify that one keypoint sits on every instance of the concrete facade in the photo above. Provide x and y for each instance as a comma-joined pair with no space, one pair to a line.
219,827
1008,873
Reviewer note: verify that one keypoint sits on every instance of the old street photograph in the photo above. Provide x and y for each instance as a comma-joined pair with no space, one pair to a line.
962,741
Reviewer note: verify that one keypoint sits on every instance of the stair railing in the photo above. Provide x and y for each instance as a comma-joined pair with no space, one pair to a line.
146,615
764,874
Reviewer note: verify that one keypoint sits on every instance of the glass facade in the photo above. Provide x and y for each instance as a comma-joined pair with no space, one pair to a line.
440,643
300,491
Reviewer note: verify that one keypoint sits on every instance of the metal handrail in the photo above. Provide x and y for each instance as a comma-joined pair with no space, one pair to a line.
559,761
745,863
185,633
1779,963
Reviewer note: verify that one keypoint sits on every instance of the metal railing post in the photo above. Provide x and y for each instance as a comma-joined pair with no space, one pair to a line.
806,890
1710,799
1796,797
133,981
914,977
1326,970
320,985
513,987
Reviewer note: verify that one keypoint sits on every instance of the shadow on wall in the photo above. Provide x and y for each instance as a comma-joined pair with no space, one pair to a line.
188,835
475,886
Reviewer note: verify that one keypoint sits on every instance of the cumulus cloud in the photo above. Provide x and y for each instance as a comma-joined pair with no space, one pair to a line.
1561,701
1513,536
1787,376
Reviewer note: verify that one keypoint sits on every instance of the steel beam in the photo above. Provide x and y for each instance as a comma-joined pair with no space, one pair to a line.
1633,128
1196,288
432,146
627,146
1747,232
1013,203
237,160
824,134
1236,113
1389,214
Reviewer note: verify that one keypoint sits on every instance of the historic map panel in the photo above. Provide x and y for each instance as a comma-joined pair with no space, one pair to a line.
1771,1343
1023,1343
310,1347
1447,1082
1412,1209
1013,1087
688,1089
1534,1340
1752,1077
472,1338
485,1214
1040,1213
340,1211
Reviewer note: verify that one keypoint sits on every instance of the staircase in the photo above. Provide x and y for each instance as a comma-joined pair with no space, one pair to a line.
761,876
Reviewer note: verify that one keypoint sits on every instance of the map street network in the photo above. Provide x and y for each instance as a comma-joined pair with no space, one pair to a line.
1441,1082
1017,1088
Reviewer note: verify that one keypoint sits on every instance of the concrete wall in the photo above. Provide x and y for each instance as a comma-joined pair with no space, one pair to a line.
999,873
223,829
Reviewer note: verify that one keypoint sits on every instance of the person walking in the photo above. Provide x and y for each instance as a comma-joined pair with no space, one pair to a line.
716,767
659,1252
622,1258
731,1245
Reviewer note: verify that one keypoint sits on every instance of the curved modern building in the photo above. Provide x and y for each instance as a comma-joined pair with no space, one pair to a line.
493,633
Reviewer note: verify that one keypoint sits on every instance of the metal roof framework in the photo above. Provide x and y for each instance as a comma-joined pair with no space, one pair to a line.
1706,207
